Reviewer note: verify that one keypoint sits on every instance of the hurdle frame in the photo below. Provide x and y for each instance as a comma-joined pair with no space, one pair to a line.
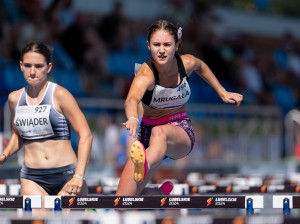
164,202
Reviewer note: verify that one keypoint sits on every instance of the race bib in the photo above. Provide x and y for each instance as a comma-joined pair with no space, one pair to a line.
170,98
33,122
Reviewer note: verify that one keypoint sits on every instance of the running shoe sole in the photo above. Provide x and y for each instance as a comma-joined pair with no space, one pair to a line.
138,157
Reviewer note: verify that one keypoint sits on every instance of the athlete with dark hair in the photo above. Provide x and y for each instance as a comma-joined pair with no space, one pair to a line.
42,114
161,84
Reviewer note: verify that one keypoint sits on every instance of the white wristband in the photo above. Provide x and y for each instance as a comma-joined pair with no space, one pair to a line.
134,118
78,176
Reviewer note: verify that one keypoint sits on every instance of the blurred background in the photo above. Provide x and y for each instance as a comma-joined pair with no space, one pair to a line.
252,46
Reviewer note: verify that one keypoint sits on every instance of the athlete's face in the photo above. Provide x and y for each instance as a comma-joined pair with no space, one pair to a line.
35,68
162,46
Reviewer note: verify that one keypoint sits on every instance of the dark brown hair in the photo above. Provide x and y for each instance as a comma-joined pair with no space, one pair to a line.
164,25
40,48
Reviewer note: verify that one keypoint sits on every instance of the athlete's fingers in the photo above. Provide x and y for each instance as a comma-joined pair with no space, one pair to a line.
125,125
78,190
68,188
134,132
71,186
130,131
238,99
79,184
73,190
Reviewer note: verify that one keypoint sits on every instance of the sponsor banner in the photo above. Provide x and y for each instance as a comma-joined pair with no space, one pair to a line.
11,202
226,202
153,202
296,201
79,202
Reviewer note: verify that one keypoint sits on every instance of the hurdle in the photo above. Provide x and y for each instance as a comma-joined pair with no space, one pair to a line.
163,202
28,202
286,202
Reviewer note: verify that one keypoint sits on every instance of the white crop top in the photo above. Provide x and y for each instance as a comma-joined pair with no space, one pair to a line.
42,121
168,98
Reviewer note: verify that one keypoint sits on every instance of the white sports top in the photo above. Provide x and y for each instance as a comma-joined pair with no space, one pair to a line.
42,121
168,98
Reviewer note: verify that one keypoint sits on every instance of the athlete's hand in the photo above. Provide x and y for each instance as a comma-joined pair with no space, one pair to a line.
230,97
74,186
132,125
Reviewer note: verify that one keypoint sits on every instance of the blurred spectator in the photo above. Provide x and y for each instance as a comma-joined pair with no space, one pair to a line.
211,51
179,12
251,82
95,60
294,61
72,38
111,141
62,12
8,44
59,15
30,8
114,28
283,93
34,29
281,54
9,10
286,84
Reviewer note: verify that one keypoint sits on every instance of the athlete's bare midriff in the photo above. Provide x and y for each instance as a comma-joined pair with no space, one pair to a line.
156,113
49,154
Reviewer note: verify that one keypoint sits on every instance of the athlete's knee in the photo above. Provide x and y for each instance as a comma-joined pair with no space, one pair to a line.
158,132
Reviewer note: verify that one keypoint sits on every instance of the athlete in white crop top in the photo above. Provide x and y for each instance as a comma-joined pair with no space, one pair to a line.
165,129
43,112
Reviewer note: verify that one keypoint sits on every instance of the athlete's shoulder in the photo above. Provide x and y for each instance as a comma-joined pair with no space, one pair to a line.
144,69
61,91
145,72
14,96
188,59
144,78
190,62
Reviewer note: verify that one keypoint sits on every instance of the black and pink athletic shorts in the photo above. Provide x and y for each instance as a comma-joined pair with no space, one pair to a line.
180,119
